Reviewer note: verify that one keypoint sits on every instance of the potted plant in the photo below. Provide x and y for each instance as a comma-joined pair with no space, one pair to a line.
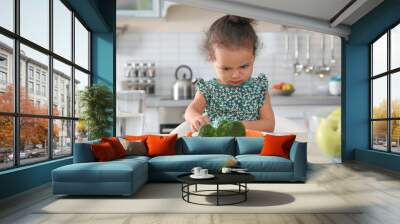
96,102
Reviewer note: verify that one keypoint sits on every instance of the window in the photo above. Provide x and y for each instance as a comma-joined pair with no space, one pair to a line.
62,29
7,14
3,78
62,130
62,74
6,143
385,94
81,81
34,21
38,89
81,45
44,91
37,75
54,126
30,72
3,60
7,84
30,87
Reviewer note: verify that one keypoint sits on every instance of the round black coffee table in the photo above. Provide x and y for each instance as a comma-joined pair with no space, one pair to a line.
238,179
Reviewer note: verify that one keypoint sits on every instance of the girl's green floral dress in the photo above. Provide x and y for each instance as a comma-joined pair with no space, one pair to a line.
233,103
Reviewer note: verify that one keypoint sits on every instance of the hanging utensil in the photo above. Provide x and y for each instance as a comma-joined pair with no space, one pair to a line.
297,67
323,70
287,46
308,68
333,60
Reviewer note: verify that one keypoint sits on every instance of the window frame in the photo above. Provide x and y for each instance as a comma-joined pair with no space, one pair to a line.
388,74
16,114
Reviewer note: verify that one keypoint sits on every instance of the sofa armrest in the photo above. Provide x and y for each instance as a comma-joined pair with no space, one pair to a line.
83,152
298,155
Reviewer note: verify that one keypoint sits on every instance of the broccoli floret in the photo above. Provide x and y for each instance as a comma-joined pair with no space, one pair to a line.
207,131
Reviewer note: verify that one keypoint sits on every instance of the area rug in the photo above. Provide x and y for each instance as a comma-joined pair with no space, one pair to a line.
166,198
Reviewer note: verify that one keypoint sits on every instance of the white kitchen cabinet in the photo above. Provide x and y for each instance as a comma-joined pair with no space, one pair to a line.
155,116
301,115
143,8
151,121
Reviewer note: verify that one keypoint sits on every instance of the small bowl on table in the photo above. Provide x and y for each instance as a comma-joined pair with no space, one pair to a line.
280,92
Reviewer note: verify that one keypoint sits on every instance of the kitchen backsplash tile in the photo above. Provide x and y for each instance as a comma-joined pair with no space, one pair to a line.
169,50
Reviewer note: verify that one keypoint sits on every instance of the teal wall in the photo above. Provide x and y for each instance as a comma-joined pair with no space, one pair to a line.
355,100
100,17
24,178
104,54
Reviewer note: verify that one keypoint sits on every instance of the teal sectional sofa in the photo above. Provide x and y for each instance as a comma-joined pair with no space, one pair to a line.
125,176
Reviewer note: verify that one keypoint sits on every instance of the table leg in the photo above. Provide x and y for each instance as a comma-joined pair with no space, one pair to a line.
245,193
196,188
188,190
217,194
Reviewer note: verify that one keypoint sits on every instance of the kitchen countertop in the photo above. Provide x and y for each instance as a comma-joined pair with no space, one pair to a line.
317,100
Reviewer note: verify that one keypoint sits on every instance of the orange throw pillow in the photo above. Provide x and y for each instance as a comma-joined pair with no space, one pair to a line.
136,137
103,152
161,145
277,145
116,145
254,133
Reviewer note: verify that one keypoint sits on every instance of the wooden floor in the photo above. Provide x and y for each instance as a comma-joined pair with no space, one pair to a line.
378,188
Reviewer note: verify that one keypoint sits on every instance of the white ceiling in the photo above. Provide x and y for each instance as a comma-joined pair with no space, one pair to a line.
314,15
321,9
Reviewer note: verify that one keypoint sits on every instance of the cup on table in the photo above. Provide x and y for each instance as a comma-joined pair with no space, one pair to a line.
196,171
203,172
226,170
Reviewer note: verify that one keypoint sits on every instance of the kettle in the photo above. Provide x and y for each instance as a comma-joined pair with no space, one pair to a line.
182,88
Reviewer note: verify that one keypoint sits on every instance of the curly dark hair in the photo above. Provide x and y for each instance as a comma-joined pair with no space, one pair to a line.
230,31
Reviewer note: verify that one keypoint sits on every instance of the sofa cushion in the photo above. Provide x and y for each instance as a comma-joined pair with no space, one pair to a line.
131,158
185,163
257,163
112,171
83,152
249,145
206,145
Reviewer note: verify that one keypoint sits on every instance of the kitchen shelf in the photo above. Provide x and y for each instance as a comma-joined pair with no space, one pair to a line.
162,101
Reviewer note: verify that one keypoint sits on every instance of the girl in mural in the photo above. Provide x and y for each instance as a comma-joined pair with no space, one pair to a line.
234,95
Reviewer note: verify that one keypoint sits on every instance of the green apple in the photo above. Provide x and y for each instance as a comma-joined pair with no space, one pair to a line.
328,134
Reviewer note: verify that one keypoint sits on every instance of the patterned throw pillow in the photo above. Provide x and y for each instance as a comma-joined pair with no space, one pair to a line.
134,147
